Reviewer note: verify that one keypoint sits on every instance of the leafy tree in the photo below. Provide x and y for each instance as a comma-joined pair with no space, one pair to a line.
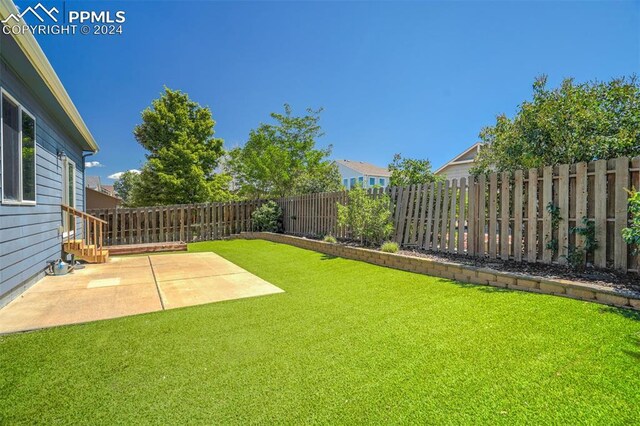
569,124
183,154
409,171
368,218
124,187
282,159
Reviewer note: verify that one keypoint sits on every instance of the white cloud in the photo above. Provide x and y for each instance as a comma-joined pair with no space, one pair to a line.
89,164
117,175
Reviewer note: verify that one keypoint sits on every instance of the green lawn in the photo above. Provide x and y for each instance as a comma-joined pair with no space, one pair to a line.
348,342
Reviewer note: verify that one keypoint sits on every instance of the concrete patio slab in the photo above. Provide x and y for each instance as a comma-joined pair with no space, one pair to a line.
128,286
198,291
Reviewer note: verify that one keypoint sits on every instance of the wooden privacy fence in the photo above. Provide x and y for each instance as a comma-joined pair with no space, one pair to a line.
500,215
183,222
505,215
316,214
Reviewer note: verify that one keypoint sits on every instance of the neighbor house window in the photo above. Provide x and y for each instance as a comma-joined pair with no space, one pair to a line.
18,143
372,181
353,182
345,182
381,181
360,179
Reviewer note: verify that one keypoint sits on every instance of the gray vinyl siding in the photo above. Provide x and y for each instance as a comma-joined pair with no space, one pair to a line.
29,235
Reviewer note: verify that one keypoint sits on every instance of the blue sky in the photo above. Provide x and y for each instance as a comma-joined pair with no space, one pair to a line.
418,78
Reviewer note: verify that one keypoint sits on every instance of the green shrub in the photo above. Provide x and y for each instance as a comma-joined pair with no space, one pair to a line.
631,235
389,247
267,218
329,239
367,217
577,255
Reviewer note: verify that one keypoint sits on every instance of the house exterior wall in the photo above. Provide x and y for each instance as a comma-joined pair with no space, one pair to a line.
30,234
456,171
99,200
348,174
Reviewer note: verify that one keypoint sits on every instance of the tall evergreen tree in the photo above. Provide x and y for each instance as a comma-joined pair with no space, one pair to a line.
182,153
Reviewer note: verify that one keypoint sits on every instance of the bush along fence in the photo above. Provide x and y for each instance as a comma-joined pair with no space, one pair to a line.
563,214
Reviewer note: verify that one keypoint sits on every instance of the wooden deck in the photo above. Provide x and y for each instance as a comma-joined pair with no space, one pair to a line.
146,248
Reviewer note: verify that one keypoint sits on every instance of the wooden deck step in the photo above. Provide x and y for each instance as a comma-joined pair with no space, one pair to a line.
147,248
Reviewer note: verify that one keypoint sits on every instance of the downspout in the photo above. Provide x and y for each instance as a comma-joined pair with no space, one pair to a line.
84,185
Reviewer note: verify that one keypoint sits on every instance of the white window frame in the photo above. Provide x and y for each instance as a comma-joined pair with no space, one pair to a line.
21,110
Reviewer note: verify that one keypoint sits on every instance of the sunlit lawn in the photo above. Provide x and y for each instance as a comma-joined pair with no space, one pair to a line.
348,342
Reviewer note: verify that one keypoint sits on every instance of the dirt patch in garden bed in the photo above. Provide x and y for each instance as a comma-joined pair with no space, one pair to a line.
612,279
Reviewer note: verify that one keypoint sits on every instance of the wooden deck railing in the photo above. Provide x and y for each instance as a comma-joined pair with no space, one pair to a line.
83,234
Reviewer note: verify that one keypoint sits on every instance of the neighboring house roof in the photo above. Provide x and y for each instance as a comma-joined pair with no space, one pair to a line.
50,82
101,200
466,157
367,169
93,182
109,189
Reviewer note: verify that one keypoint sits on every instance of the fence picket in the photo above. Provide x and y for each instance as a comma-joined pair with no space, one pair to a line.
452,221
505,216
547,198
482,216
532,215
621,214
518,220
462,216
493,215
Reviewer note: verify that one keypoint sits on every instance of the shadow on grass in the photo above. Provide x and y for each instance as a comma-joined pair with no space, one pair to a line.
478,287
635,353
328,257
627,313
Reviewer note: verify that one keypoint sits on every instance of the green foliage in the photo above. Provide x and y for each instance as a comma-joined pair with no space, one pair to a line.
576,255
368,218
389,247
329,239
554,212
282,159
631,234
267,217
178,133
409,171
124,187
569,124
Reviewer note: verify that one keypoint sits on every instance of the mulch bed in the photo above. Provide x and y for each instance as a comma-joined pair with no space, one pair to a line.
608,278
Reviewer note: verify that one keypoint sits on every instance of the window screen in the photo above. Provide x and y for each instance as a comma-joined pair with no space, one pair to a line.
28,158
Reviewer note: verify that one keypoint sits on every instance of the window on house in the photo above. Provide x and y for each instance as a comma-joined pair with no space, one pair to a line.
353,182
69,181
372,181
345,182
360,179
18,153
381,181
